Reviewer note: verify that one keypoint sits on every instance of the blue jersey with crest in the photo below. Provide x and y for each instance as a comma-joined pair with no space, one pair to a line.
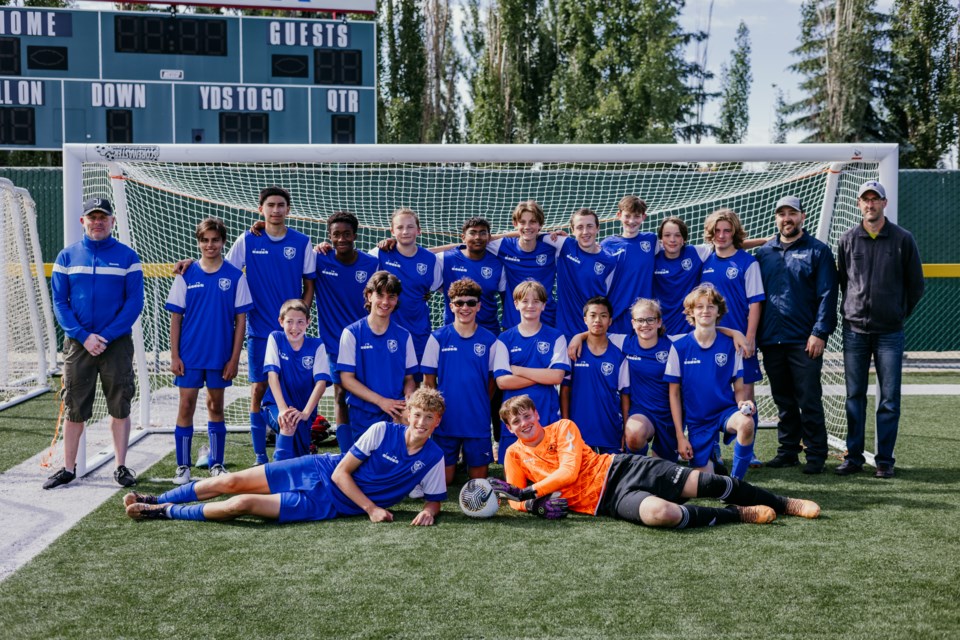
738,280
580,276
299,371
419,275
634,275
380,362
487,272
673,279
706,377
546,349
339,295
519,266
596,382
649,393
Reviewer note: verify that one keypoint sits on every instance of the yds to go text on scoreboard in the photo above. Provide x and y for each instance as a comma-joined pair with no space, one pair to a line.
115,77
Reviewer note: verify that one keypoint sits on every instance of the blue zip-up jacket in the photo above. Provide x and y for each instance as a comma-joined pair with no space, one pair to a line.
801,287
97,288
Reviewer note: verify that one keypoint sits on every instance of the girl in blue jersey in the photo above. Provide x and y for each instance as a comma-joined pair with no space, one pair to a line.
208,306
297,374
676,272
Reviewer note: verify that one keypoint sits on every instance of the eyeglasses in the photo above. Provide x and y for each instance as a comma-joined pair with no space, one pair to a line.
470,303
650,320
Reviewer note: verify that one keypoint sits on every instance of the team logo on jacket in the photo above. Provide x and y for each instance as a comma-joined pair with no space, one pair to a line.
720,359
392,346
645,245
307,362
606,368
543,347
421,268
289,253
662,356
733,272
542,259
224,284
361,276
486,272
417,466
598,268
687,264
479,348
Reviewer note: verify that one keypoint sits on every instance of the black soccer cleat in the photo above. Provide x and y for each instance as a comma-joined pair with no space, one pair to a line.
135,496
125,476
60,477
141,511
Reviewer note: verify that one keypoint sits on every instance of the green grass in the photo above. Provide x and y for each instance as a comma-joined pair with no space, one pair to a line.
883,561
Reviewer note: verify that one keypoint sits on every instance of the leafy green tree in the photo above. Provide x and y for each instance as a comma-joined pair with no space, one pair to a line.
735,95
405,74
441,113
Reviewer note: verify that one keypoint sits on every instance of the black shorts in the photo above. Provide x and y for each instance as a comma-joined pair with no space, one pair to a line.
633,478
114,367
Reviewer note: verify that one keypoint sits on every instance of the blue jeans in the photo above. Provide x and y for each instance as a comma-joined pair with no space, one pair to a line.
887,352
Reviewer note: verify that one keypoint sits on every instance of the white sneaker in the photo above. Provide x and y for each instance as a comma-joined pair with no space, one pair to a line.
218,470
416,493
183,475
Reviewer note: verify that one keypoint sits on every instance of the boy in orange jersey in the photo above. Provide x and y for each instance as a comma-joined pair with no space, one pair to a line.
566,474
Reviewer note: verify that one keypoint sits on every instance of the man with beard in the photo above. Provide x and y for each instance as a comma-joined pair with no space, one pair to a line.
799,314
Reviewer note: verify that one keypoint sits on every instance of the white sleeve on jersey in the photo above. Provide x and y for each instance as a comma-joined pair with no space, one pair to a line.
494,246
178,292
434,483
501,357
272,357
237,256
617,339
704,251
371,438
321,364
348,349
623,381
431,353
309,260
242,298
556,244
411,354
609,279
559,353
752,282
502,285
673,364
437,273
375,252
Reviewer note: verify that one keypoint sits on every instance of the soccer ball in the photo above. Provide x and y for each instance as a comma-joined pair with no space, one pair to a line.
478,500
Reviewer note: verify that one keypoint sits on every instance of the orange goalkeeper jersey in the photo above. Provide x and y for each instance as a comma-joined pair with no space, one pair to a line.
561,462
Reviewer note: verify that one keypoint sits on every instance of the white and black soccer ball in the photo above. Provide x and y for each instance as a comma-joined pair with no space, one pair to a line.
478,499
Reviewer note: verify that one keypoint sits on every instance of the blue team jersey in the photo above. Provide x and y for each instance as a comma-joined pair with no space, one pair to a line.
595,386
649,394
706,378
519,266
339,295
673,279
634,275
419,274
487,272
209,303
380,362
463,367
737,278
275,270
546,349
580,276
299,371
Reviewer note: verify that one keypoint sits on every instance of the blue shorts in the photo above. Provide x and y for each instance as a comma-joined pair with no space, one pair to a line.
199,378
301,438
303,494
256,352
506,439
664,439
751,370
703,437
477,452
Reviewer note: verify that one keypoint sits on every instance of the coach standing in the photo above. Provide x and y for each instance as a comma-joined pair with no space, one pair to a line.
799,314
97,296
881,279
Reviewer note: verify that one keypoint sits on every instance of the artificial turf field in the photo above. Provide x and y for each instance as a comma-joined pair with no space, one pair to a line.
883,561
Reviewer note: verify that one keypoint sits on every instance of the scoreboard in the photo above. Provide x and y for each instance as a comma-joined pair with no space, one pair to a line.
137,77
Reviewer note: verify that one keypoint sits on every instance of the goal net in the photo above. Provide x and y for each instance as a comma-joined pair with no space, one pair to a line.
28,352
161,192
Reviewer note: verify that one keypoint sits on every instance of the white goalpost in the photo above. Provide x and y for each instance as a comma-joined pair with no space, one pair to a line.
161,192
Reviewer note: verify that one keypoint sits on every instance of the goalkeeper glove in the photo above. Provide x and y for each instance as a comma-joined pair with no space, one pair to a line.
510,492
551,507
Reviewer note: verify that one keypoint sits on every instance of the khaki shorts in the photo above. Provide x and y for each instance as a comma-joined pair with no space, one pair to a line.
80,371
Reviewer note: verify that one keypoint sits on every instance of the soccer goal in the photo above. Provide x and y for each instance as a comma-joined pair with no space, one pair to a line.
28,341
162,191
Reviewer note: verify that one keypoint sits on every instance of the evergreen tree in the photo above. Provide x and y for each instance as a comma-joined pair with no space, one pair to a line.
735,94
778,133
405,74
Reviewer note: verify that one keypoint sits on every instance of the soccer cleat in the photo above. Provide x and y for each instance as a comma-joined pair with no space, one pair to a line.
755,462
218,470
848,468
141,511
802,508
183,475
757,514
125,476
203,457
135,496
60,477
261,459
781,461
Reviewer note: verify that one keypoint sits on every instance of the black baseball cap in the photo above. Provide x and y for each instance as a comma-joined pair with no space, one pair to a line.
91,205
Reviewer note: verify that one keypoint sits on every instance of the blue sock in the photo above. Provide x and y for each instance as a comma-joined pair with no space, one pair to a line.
284,448
179,495
344,437
186,512
258,433
217,432
742,454
183,437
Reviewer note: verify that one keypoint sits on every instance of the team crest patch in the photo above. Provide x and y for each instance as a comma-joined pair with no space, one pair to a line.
361,276
720,359
645,245
687,264
479,348
598,268
421,268
733,272
606,368
543,347
392,346
289,253
417,466
486,272
224,284
662,356
542,259
307,362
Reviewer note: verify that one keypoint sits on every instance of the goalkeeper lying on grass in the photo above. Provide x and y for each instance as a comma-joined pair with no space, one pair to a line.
568,475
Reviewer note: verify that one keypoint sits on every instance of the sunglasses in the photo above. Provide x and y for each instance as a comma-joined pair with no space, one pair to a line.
470,303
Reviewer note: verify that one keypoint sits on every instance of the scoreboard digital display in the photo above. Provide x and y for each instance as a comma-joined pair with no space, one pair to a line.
136,77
